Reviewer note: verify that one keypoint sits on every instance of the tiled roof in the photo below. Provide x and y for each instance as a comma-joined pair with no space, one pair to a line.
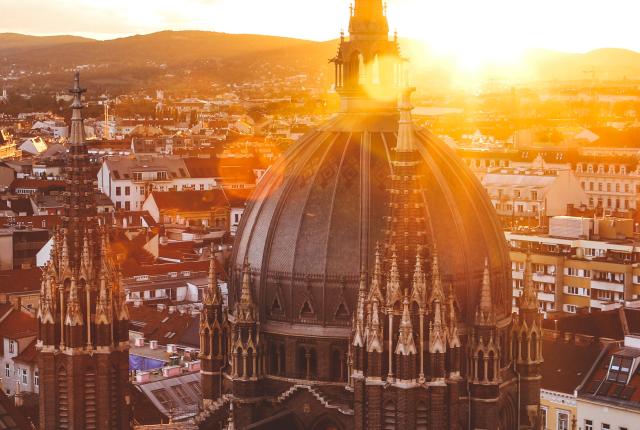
20,281
29,355
566,364
607,324
606,385
163,326
18,325
163,269
39,184
11,417
190,201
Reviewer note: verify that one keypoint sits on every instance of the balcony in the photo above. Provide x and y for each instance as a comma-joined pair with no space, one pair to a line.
607,286
546,297
595,303
543,277
515,274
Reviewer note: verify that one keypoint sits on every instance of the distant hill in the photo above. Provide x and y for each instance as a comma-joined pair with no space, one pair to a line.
15,41
601,64
192,59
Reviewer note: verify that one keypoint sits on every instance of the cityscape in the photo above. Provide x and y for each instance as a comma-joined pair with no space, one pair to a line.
235,215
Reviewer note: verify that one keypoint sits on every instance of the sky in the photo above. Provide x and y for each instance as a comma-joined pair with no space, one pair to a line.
471,30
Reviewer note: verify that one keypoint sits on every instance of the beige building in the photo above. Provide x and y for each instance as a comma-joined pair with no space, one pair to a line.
580,263
533,193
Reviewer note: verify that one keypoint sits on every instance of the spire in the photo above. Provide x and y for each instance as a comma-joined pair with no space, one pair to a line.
74,314
45,310
86,264
437,293
245,307
212,294
452,319
374,329
394,293
406,344
484,313
405,124
419,284
368,19
529,300
437,338
102,302
76,136
376,280
358,336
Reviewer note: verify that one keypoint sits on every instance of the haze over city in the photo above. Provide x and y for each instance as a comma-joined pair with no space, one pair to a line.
311,215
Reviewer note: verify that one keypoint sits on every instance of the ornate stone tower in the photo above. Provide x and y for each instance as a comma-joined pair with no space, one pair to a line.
83,317
527,350
213,338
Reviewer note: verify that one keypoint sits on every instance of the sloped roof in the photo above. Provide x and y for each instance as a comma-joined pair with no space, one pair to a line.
29,355
566,364
20,281
18,325
190,201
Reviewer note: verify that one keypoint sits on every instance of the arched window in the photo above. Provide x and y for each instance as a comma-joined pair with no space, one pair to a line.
534,347
216,342
207,346
250,362
524,352
491,367
239,364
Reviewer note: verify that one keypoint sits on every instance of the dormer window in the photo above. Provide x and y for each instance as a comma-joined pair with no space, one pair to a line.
619,369
12,347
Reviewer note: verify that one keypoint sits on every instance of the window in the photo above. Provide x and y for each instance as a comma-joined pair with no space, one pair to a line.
163,397
127,191
142,191
534,195
127,205
543,417
588,425
619,369
118,191
563,420
12,347
36,379
23,376
7,372
606,426
608,187
183,395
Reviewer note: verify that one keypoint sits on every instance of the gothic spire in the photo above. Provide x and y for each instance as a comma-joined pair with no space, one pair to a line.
374,329
376,280
212,294
368,19
437,337
406,344
484,313
394,292
245,307
529,298
358,336
437,292
74,313
419,284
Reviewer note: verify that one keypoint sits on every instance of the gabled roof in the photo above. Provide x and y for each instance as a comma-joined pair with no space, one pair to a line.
29,355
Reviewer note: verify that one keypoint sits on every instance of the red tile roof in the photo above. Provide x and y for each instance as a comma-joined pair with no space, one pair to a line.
190,201
18,325
29,355
20,281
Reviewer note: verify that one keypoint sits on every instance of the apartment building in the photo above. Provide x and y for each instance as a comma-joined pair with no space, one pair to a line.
128,182
579,263
533,193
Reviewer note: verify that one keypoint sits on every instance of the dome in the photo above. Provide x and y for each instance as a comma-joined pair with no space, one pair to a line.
319,212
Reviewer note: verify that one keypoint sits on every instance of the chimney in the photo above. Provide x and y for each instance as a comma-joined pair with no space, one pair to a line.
161,307
143,377
192,366
172,309
171,348
139,341
153,344
169,371
137,303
